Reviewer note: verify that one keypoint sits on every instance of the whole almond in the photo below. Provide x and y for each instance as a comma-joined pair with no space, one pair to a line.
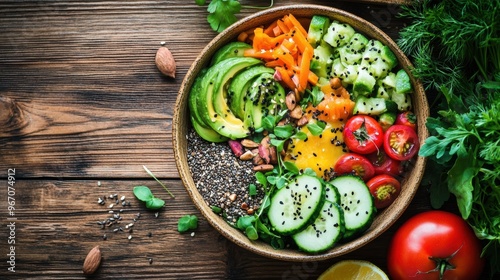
165,62
92,261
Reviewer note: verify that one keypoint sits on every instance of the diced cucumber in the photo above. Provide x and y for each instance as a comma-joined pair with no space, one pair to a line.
373,106
338,34
403,83
388,57
317,28
403,100
327,229
321,63
389,80
352,52
387,119
364,83
383,92
357,204
297,205
358,42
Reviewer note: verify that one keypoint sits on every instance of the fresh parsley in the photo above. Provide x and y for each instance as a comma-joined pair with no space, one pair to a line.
222,13
455,48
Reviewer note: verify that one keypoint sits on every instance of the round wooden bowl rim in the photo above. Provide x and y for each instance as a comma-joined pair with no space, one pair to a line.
384,218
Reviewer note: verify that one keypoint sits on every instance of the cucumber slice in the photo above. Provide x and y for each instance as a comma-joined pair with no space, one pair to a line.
326,230
297,205
357,203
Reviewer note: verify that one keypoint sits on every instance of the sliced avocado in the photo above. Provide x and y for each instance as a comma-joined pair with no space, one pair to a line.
233,49
266,97
207,133
204,130
212,100
238,89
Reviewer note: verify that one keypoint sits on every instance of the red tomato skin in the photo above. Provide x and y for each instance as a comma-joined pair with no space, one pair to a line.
373,129
384,189
351,163
383,164
438,234
400,135
407,118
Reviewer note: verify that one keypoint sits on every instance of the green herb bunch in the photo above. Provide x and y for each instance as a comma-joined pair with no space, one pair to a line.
455,48
222,13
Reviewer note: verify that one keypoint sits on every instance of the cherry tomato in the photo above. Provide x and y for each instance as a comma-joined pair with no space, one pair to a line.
407,118
351,163
384,164
433,244
384,189
363,134
401,142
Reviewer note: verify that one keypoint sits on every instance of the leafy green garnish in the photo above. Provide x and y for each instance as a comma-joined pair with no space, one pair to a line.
316,128
144,194
187,222
222,13
455,47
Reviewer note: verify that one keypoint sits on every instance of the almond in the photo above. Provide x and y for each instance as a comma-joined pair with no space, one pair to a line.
92,261
165,62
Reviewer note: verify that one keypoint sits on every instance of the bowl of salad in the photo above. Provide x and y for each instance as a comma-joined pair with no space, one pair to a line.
296,132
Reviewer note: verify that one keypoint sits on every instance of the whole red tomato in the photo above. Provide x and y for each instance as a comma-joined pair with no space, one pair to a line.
363,134
435,245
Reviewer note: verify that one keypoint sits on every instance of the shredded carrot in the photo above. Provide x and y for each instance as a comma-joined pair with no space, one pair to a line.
242,37
281,24
283,45
297,24
270,29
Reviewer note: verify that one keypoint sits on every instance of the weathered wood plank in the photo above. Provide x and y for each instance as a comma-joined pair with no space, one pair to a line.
80,94
57,225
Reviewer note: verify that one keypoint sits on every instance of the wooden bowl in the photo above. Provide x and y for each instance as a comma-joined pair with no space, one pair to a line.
384,219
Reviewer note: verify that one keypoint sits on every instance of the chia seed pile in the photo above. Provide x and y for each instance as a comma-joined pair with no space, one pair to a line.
222,179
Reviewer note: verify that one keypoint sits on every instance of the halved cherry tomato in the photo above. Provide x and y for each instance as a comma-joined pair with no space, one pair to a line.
407,118
384,188
401,142
363,134
384,164
351,163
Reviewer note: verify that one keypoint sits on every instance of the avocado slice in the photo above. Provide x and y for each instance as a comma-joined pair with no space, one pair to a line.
212,100
204,130
233,49
238,88
266,97
207,133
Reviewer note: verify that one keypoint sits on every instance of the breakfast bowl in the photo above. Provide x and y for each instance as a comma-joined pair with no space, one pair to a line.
210,167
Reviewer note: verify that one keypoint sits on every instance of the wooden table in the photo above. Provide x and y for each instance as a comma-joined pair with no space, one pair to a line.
82,109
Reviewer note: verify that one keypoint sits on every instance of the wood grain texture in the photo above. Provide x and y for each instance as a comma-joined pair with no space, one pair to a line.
81,102
56,226
83,96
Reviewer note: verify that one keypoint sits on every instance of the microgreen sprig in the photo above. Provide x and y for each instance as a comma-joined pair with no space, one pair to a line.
156,179
187,222
144,194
